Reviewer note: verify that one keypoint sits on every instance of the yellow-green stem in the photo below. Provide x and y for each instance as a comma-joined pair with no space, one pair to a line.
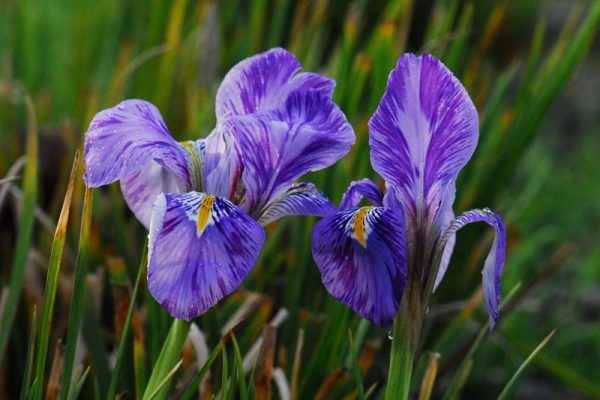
406,331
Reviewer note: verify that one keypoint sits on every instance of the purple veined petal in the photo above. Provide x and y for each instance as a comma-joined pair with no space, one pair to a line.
122,140
445,217
361,254
201,248
262,83
423,132
359,189
309,133
299,199
494,263
308,81
222,169
141,188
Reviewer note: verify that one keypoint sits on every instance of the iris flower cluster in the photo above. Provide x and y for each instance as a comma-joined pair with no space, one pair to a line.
205,202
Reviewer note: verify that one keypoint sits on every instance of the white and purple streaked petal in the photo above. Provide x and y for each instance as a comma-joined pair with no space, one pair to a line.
494,263
299,199
309,133
306,81
262,83
361,254
122,140
423,132
359,189
222,169
201,248
445,217
141,188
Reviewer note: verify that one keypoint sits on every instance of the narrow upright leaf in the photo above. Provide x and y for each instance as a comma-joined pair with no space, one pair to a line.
58,246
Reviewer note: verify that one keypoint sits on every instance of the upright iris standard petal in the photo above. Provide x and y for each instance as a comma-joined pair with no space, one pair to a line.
122,140
222,170
263,82
494,263
201,248
424,131
361,254
308,134
359,189
299,199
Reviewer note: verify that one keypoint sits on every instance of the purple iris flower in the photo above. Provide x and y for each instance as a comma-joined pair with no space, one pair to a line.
205,202
423,132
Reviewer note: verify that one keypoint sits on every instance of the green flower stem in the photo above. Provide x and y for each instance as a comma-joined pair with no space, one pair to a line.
406,332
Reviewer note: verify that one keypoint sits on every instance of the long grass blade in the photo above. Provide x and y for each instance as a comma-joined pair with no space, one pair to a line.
30,355
264,377
75,391
165,380
169,356
114,379
239,367
189,392
511,383
52,282
77,298
429,379
356,367
25,229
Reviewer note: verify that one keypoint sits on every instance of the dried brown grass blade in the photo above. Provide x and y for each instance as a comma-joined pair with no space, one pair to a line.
264,373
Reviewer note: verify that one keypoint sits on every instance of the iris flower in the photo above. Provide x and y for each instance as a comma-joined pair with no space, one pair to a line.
205,202
423,132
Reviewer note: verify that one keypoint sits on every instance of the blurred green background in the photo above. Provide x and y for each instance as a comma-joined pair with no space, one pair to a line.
533,70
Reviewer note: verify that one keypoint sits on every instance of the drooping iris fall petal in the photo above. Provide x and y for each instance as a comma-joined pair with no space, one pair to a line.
494,262
201,248
423,132
361,254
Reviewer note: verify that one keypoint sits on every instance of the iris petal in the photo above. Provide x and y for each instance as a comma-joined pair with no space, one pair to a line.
308,134
141,188
359,189
423,132
222,171
201,248
299,199
494,263
263,82
122,140
361,254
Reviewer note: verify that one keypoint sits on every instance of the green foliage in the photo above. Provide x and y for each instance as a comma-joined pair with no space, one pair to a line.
70,59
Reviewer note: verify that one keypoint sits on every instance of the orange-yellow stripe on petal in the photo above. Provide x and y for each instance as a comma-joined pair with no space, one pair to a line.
358,226
204,212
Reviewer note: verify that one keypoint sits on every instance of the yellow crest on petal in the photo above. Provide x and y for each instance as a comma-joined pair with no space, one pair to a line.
358,226
205,212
